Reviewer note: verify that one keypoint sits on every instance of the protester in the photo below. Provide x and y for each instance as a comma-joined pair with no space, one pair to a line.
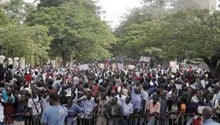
1,110
74,111
207,114
102,103
90,93
21,109
153,110
54,114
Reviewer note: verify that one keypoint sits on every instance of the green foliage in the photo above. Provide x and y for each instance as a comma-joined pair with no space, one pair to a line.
25,41
76,29
4,19
17,9
155,3
18,39
188,33
51,3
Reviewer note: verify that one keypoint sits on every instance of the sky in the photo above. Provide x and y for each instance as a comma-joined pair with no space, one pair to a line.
114,10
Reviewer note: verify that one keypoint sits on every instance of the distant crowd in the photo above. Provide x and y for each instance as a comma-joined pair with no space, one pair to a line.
108,95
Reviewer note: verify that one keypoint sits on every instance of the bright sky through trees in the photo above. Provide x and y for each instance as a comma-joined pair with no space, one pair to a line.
114,9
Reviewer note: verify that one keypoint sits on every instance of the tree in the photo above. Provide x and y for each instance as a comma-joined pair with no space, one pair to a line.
51,3
73,32
176,4
17,9
189,33
18,39
155,3
4,19
24,41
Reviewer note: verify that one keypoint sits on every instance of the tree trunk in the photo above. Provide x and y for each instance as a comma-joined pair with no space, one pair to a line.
64,58
213,65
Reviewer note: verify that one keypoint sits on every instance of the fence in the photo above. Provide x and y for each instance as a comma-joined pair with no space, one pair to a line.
186,119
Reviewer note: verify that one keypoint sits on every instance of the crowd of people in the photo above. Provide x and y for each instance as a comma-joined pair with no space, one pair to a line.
101,96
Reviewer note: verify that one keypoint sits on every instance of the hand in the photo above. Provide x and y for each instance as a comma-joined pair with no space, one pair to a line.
176,121
27,114
78,115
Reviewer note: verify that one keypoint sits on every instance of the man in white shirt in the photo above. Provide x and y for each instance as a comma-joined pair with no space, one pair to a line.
88,105
127,110
35,108
44,101
1,110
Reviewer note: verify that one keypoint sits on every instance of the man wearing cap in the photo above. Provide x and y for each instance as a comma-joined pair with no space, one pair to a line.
207,114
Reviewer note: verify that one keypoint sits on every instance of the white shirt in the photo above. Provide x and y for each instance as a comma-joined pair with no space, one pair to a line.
33,107
127,109
44,102
75,80
88,106
121,99
1,113
144,95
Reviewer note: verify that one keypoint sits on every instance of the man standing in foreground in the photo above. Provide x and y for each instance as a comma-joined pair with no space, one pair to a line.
54,114
207,114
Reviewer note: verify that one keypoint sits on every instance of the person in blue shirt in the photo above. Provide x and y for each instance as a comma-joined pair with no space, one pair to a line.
54,114
73,111
7,94
207,114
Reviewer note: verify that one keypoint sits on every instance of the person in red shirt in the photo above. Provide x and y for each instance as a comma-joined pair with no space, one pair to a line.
28,78
95,89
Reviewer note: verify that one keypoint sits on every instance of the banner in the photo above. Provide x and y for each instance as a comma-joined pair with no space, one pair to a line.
2,58
83,67
53,63
114,66
145,59
16,61
173,66
22,62
131,67
120,66
101,65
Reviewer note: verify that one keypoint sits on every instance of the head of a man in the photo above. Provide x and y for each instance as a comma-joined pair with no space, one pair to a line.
155,99
114,100
207,113
54,99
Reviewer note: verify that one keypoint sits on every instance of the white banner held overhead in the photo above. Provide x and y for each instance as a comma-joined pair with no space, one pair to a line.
16,62
53,63
22,62
173,66
131,67
2,58
114,66
145,59
101,65
120,66
83,67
